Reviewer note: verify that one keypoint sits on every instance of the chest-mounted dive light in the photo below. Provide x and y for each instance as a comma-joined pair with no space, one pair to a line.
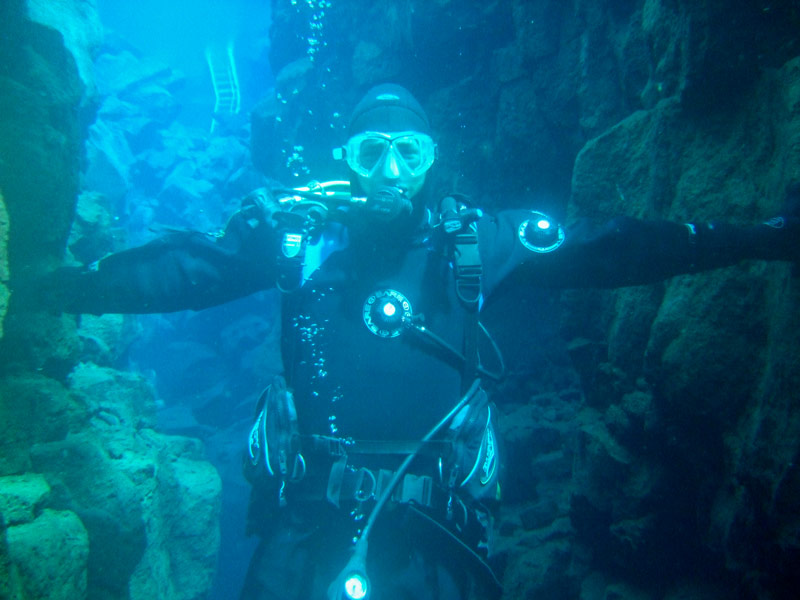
540,233
386,313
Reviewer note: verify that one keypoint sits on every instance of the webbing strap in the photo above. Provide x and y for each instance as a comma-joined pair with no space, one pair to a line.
333,446
469,270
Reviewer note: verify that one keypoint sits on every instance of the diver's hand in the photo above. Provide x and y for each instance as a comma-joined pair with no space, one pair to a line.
388,203
791,201
786,224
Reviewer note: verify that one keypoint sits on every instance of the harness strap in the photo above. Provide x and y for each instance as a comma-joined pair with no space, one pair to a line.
468,271
334,446
469,268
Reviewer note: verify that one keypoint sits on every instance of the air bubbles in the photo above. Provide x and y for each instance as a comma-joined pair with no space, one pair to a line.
295,162
316,24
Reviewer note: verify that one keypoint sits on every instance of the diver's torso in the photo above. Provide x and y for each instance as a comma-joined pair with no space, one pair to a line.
351,382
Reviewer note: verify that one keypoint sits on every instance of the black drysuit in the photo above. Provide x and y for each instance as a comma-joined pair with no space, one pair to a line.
350,383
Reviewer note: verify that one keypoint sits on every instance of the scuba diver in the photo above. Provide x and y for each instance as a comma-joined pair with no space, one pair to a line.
375,459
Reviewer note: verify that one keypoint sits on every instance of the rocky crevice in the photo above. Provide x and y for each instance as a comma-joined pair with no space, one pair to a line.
94,503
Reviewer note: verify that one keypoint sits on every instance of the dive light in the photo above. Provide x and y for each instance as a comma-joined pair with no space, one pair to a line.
353,582
540,234
386,313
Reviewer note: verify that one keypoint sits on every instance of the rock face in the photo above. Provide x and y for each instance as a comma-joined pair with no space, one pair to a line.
146,504
672,477
94,503
3,261
717,353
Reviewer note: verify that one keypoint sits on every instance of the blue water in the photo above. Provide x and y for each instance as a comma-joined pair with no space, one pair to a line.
204,371
177,33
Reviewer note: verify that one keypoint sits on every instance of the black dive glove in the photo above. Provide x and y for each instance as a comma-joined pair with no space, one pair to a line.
779,237
719,244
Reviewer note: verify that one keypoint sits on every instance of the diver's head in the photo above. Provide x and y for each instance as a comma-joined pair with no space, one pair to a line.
390,143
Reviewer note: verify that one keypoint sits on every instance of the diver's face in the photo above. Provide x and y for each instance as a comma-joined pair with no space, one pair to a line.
391,175
395,159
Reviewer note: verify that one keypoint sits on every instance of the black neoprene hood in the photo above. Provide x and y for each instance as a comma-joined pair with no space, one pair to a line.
388,107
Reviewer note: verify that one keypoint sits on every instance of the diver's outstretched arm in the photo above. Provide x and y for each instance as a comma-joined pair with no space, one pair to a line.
627,251
182,270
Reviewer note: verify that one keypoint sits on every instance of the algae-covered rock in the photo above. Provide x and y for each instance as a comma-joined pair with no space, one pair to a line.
92,236
3,261
40,342
185,536
49,555
79,24
108,502
712,354
41,137
150,504
104,337
703,364
22,497
541,570
34,409
114,398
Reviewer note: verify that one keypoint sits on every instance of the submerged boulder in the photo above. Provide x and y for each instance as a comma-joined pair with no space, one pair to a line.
3,261
48,556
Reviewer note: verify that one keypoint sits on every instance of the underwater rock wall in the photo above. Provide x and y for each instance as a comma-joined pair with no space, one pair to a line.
94,503
695,378
3,261
673,477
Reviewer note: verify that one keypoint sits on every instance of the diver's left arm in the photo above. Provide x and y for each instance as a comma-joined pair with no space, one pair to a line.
627,251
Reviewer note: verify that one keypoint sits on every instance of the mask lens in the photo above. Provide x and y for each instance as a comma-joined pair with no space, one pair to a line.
370,151
410,151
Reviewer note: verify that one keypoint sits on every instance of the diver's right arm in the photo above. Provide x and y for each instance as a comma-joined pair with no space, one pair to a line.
183,270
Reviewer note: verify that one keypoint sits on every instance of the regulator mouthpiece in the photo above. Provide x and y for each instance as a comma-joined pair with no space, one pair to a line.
388,203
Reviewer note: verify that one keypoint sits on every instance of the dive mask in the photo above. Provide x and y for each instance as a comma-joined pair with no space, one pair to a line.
413,152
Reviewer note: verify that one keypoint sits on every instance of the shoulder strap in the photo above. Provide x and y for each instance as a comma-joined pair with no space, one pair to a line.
468,275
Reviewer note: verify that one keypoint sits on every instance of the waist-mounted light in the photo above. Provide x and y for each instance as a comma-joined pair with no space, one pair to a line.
356,586
353,582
